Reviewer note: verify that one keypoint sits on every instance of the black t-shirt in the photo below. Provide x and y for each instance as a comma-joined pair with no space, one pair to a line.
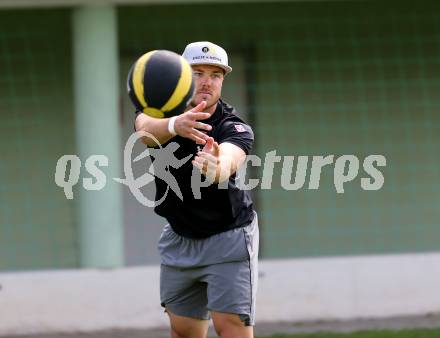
217,210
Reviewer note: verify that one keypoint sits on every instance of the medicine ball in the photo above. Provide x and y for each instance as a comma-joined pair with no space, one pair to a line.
160,84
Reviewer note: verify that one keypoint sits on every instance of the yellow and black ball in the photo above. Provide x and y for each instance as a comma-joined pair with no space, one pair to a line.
160,84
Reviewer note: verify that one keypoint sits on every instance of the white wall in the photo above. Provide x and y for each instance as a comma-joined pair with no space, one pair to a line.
289,290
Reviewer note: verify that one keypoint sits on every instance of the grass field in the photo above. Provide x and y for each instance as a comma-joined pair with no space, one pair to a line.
367,334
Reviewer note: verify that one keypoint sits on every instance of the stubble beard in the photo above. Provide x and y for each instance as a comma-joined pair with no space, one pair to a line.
207,108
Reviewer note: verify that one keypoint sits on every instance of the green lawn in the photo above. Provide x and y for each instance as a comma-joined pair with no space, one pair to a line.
367,334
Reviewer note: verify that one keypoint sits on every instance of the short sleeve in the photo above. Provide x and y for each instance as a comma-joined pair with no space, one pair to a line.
237,133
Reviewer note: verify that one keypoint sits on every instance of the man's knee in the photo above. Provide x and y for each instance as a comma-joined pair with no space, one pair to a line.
187,327
228,325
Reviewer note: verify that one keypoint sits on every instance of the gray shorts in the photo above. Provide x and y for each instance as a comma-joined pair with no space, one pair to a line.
218,273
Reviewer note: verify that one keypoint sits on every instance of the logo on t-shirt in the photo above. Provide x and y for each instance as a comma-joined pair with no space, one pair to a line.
239,128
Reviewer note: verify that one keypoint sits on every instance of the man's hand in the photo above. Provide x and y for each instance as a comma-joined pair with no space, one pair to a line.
219,162
188,125
215,167
208,159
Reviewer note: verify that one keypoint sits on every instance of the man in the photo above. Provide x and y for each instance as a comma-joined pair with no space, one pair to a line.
209,249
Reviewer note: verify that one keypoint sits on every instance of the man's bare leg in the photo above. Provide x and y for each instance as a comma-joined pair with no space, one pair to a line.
187,327
228,325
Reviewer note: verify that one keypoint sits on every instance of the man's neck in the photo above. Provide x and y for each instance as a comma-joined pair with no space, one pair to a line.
211,110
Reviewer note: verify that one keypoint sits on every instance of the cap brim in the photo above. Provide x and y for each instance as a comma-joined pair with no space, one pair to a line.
227,69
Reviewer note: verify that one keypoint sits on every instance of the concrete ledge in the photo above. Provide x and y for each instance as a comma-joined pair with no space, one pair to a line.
80,300
349,287
292,290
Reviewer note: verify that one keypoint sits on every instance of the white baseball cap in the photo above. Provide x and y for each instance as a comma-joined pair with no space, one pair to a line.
206,53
